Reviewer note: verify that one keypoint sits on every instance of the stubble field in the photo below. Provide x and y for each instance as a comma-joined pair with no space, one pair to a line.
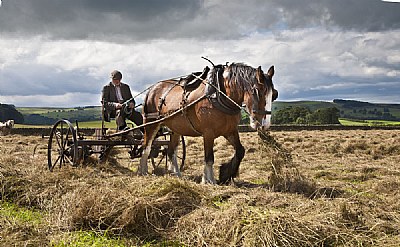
298,188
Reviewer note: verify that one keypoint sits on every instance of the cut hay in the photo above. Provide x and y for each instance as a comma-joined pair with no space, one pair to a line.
285,176
311,196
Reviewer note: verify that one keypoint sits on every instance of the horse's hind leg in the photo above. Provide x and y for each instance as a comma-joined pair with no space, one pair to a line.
150,133
230,170
171,153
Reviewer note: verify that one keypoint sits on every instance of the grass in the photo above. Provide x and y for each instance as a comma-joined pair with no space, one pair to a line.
20,215
31,126
88,238
350,122
39,110
96,124
84,124
21,225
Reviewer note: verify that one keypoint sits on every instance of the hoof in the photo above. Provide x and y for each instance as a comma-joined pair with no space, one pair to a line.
174,174
207,181
140,174
225,173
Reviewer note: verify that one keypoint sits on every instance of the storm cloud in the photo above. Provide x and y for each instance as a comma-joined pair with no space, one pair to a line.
126,20
59,52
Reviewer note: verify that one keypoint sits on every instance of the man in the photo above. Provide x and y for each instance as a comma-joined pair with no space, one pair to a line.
114,94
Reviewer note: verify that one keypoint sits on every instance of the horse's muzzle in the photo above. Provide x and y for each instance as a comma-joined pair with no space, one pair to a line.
264,125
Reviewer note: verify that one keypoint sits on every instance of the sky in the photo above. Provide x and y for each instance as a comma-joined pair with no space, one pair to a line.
59,53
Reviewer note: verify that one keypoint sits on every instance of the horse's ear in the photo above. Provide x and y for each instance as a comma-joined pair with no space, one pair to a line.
271,71
260,73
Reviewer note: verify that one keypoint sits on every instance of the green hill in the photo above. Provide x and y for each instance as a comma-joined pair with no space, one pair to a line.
46,116
350,109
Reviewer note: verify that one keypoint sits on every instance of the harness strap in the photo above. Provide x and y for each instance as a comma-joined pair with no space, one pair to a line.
216,93
185,95
162,98
158,120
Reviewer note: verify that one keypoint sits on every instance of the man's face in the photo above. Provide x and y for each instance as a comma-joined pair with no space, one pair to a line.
116,81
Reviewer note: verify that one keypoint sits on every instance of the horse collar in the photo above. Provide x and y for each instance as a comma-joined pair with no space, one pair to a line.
216,93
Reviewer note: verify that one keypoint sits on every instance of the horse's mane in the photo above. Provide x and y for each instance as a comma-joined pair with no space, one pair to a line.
241,76
244,76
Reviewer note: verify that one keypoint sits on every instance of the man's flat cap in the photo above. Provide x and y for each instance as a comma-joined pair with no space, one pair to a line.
116,75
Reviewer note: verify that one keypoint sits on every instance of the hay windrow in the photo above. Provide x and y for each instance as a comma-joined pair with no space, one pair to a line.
285,176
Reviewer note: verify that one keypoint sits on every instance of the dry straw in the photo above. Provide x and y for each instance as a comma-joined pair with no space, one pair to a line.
142,210
285,176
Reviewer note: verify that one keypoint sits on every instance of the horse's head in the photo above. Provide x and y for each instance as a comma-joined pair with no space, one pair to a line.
259,100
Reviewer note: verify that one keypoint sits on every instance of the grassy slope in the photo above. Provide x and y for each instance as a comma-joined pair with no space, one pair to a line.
348,122
92,113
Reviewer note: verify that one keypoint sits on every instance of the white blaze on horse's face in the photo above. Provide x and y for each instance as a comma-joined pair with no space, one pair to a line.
266,121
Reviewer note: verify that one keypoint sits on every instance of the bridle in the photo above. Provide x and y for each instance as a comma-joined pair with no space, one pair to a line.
256,98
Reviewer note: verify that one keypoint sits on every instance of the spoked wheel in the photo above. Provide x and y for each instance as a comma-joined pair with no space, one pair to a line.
62,147
181,153
158,155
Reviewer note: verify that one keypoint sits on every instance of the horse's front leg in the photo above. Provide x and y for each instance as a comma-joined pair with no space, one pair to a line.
208,175
150,133
230,170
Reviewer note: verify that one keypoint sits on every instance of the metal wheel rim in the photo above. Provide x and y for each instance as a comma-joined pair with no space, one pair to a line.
62,132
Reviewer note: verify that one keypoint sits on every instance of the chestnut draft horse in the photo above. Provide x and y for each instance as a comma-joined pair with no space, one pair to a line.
204,110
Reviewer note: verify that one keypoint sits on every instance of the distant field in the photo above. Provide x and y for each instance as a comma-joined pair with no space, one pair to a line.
48,116
30,126
96,124
40,110
88,124
349,122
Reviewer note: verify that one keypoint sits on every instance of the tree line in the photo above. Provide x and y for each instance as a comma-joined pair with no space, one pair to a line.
302,115
8,112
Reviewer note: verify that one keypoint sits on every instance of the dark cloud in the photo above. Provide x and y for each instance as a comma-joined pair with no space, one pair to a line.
95,19
362,15
126,20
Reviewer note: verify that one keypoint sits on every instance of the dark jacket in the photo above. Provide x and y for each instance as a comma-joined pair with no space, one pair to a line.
109,97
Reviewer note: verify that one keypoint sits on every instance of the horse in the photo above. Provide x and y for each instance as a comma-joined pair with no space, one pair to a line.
211,109
5,128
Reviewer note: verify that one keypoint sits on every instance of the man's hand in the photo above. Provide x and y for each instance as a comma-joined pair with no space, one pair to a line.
118,105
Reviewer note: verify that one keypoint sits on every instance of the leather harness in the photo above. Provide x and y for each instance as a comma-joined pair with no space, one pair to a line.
215,92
